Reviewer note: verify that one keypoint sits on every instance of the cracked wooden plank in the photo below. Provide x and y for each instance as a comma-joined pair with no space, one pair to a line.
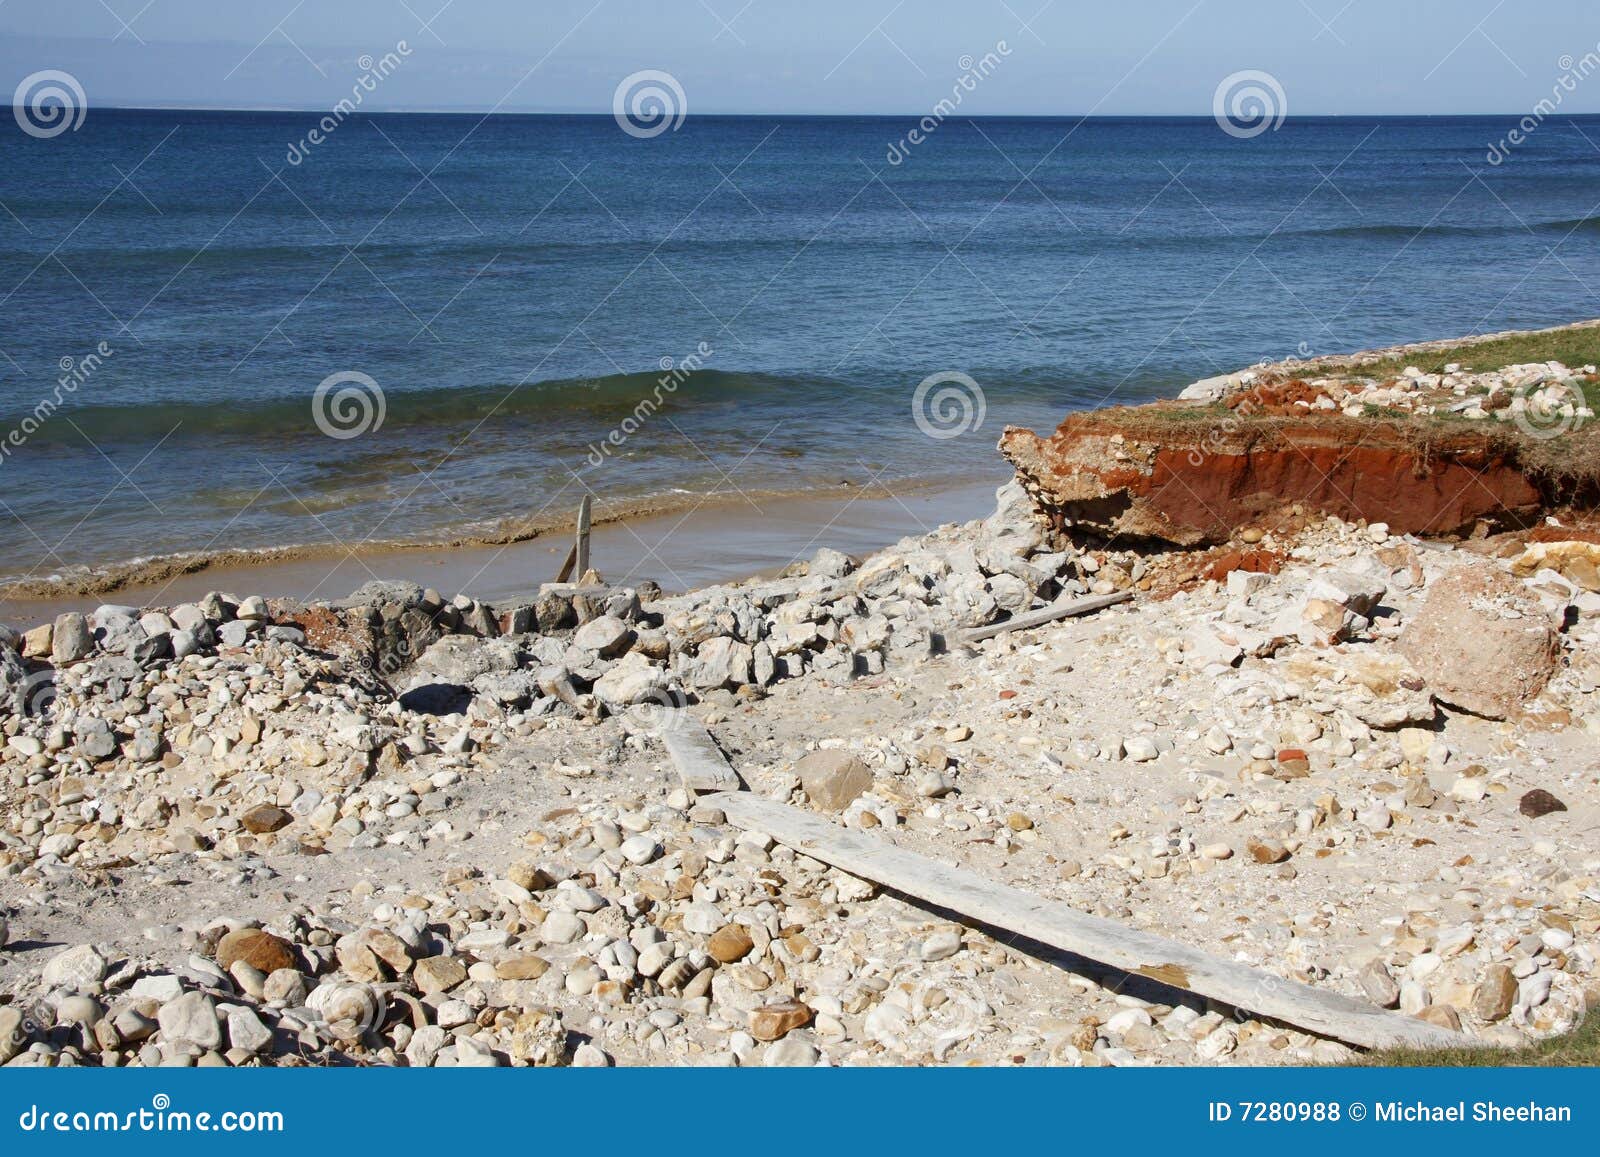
1328,1014
1048,615
700,762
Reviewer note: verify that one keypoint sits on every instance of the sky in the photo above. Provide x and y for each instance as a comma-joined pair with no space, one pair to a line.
1062,57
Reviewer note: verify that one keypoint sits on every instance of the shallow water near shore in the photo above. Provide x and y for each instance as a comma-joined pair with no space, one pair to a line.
720,541
500,325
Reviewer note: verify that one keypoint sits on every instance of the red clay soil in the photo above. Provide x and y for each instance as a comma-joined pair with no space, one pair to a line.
1167,473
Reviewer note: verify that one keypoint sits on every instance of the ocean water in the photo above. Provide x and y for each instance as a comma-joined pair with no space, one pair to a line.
512,288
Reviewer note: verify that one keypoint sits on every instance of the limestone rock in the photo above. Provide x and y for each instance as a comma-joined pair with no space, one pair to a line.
833,778
1482,643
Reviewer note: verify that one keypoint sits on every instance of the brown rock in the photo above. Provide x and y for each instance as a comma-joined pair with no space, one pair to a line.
521,967
372,955
833,778
438,973
1267,851
1443,1015
265,818
36,643
730,943
1482,642
771,1021
257,948
1496,995
1539,802
530,876
1292,763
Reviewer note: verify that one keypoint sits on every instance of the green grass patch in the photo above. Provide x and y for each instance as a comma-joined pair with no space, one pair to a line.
1572,346
1578,1048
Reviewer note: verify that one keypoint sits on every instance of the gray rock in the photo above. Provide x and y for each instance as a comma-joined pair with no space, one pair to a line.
720,662
191,1019
791,1052
830,563
79,969
562,928
246,1031
632,679
95,739
71,639
425,1045
941,945
607,636
237,632
13,1038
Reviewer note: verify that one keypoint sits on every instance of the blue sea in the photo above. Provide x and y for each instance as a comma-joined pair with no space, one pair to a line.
214,313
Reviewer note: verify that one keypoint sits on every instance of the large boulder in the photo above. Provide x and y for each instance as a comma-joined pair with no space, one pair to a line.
1482,642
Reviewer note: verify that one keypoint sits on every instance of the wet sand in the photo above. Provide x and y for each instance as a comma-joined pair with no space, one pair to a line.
716,542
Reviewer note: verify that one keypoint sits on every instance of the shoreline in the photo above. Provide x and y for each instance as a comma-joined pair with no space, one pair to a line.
682,546
514,557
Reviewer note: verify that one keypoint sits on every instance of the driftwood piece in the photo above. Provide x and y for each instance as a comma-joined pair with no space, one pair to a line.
700,762
1048,615
581,546
1325,1013
569,565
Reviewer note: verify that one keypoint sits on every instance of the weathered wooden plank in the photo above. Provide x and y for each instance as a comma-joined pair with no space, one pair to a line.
569,565
1048,615
585,517
700,762
1050,922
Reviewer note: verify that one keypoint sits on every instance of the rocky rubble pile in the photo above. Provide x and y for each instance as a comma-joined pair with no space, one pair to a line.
405,830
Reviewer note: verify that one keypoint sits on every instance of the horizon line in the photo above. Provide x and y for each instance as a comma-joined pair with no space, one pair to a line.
135,106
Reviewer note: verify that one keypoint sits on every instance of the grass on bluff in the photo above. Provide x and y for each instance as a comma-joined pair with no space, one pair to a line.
1572,346
1580,1047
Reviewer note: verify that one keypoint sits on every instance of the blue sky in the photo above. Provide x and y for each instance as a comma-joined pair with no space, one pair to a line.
1067,57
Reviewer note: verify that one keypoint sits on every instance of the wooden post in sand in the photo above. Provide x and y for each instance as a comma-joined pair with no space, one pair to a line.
581,548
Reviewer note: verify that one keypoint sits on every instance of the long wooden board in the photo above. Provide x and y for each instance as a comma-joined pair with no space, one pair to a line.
700,762
1047,615
1050,922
